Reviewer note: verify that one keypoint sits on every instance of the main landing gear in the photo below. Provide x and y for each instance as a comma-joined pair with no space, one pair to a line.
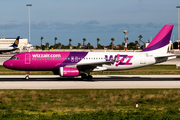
86,77
27,75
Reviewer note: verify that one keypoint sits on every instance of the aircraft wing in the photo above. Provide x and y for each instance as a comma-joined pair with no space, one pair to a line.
92,65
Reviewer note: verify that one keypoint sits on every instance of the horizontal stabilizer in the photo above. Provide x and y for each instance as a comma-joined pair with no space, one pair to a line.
164,58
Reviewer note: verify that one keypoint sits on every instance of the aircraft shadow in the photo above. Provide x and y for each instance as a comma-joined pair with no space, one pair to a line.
110,78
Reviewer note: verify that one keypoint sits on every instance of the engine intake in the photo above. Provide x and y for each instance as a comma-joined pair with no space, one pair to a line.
68,72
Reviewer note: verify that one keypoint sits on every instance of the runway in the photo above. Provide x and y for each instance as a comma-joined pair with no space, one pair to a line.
98,82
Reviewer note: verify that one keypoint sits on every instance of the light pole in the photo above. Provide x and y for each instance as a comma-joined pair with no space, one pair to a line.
29,20
126,38
178,20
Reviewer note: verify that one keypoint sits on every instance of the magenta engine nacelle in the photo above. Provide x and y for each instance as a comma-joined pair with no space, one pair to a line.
68,72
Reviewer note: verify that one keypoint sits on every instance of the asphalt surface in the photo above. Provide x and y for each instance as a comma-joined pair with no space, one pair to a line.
98,82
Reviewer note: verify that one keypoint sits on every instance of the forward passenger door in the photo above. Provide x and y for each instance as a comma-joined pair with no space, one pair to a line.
27,59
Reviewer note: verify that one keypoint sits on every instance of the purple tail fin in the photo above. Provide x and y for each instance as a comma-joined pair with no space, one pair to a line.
161,40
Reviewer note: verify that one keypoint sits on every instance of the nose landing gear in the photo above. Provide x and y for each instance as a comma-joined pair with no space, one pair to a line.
27,75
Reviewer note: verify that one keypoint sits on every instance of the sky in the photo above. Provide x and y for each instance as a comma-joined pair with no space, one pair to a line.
90,19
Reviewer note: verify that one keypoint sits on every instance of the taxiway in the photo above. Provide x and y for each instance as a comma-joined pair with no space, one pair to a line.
99,82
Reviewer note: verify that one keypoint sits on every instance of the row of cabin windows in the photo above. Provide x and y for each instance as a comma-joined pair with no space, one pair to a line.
68,58
63,58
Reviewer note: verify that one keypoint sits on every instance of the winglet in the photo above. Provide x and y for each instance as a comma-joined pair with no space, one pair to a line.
16,42
160,41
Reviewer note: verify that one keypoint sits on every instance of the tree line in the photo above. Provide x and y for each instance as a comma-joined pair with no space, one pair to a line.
130,46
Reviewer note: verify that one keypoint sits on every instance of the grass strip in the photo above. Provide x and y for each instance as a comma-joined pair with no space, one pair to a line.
135,114
79,100
90,104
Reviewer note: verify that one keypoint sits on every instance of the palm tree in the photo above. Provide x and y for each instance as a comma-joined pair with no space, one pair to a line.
140,37
88,45
55,40
98,42
112,40
84,39
47,45
136,43
41,40
123,43
79,44
59,45
70,42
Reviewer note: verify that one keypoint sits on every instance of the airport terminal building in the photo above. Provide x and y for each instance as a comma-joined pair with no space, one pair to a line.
5,42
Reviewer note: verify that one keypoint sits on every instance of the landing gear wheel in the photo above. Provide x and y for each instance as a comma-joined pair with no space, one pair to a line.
83,76
86,77
89,77
27,77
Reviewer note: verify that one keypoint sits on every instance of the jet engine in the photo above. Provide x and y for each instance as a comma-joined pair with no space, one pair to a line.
68,72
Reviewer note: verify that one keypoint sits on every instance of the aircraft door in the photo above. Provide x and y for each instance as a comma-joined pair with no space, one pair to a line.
27,59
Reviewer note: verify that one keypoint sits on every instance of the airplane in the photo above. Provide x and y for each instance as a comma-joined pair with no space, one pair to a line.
12,47
72,64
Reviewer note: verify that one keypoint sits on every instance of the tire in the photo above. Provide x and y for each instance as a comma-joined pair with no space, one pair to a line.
89,77
27,77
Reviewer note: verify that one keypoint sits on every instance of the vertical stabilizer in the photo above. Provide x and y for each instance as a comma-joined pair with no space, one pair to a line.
161,41
16,42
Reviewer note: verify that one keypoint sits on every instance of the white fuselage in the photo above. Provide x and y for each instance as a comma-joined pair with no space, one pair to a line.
126,60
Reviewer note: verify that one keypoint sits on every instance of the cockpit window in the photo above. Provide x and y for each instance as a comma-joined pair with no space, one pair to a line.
14,58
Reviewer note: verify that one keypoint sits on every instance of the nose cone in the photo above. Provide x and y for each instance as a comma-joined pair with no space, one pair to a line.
7,64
